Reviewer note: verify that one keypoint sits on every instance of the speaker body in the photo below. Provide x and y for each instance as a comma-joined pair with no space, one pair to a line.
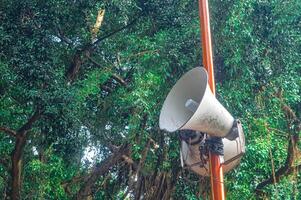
207,115
233,150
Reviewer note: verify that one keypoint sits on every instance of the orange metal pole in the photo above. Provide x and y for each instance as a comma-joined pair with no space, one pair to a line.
216,169
206,42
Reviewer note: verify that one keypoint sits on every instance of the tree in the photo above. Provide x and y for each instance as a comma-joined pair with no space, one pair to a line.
84,75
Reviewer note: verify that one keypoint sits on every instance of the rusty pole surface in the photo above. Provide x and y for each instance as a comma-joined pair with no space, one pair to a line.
216,169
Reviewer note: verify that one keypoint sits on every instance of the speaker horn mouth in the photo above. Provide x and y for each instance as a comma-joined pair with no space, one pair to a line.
180,103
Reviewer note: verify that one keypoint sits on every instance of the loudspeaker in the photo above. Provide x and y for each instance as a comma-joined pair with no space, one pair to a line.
198,163
190,105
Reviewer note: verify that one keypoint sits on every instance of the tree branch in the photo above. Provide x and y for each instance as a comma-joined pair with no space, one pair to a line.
114,76
116,31
27,126
292,152
60,34
5,163
281,172
87,49
75,180
140,166
8,131
119,80
100,169
97,25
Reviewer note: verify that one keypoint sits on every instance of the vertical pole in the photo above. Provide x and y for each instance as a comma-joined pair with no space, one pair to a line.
206,42
216,170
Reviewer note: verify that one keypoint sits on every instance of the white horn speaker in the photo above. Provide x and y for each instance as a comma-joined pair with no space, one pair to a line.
191,105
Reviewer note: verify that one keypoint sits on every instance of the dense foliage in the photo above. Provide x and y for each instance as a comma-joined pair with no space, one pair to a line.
82,84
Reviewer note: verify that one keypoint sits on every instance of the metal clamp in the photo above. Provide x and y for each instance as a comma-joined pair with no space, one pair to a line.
215,145
234,132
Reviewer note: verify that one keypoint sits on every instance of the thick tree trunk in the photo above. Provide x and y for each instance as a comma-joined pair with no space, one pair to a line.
17,167
16,157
